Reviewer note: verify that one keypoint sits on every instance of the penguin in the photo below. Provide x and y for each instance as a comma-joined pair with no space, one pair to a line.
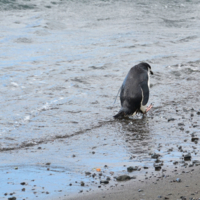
134,93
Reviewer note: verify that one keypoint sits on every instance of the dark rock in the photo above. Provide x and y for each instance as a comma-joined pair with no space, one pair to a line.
104,181
171,119
155,155
181,124
12,198
196,162
145,167
198,113
73,156
187,156
82,183
130,169
175,162
159,197
6,194
48,163
183,198
140,190
108,178
23,189
194,139
157,166
124,178
87,173
23,183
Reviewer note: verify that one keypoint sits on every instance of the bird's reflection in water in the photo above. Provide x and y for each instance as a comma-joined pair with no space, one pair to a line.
137,137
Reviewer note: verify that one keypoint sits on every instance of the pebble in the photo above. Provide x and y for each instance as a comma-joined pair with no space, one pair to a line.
130,169
155,155
87,173
48,163
12,198
187,156
171,119
82,183
140,190
178,180
104,181
124,178
181,124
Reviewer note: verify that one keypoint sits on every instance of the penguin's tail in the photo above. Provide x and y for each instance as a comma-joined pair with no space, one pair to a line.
122,113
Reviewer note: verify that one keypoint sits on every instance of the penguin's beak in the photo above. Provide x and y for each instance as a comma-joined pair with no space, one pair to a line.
151,72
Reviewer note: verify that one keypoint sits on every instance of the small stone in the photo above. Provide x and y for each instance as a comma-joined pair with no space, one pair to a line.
130,169
82,183
6,194
183,198
198,113
187,156
171,119
145,167
175,162
23,183
140,190
48,163
87,173
123,178
155,155
181,124
157,166
23,189
194,139
104,181
178,180
73,156
12,198
159,197
108,178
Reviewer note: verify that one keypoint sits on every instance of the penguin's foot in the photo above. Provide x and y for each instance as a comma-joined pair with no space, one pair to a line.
149,108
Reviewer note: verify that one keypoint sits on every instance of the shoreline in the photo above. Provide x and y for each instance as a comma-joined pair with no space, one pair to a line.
181,184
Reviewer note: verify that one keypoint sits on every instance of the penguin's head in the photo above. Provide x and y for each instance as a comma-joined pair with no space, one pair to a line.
146,66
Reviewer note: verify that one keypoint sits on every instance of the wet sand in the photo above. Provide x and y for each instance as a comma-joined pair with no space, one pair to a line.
61,67
182,184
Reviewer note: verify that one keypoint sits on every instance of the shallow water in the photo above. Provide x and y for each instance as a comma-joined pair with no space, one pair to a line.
62,63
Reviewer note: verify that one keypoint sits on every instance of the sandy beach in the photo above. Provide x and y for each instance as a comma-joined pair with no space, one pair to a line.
180,184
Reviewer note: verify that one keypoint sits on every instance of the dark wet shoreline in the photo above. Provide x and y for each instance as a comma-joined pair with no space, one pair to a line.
62,64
